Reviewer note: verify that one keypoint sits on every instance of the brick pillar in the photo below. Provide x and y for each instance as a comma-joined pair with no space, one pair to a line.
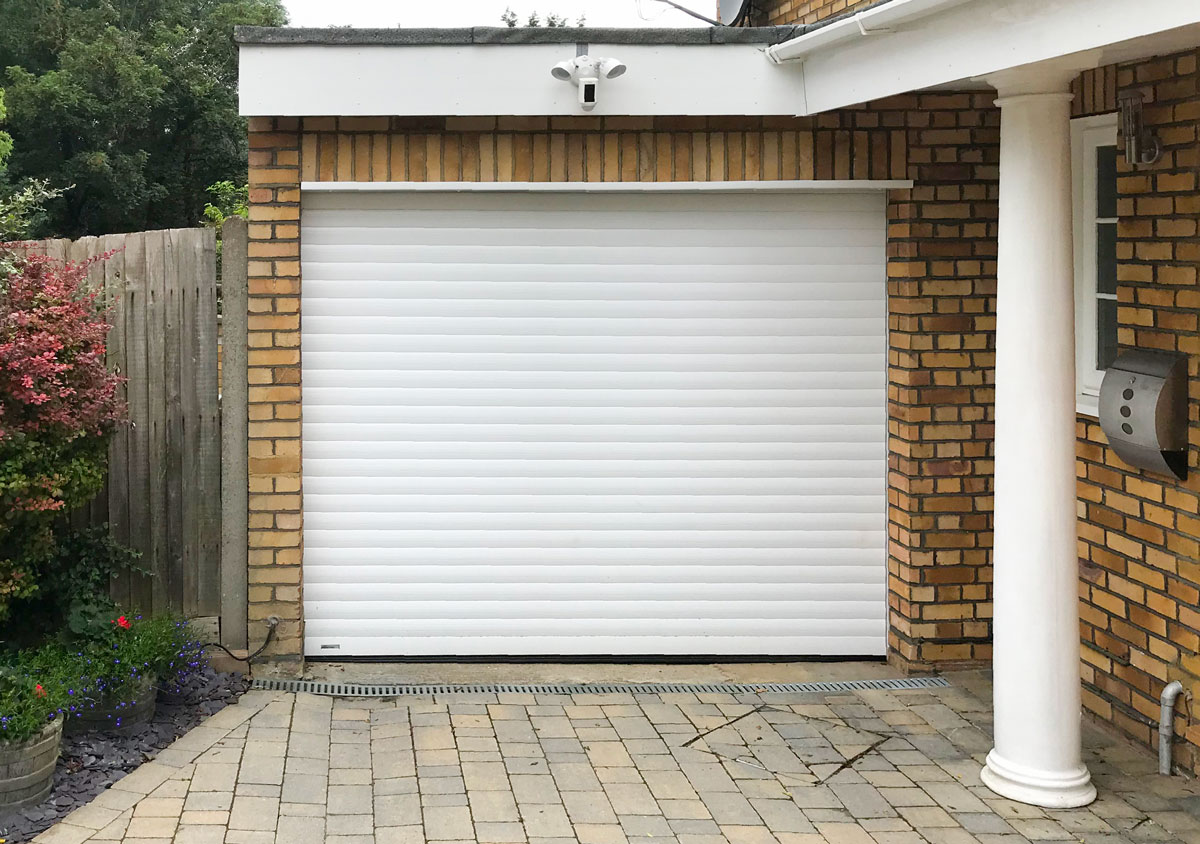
941,289
274,396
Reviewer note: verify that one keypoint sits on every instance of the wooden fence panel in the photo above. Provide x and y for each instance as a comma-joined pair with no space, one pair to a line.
235,386
208,448
118,449
163,492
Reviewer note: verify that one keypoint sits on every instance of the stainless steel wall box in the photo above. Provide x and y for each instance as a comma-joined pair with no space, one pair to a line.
1143,411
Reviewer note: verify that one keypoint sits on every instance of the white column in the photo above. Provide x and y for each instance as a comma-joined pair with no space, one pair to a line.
1036,758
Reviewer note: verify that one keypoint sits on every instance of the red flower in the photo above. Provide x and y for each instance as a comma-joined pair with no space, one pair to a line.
122,622
39,691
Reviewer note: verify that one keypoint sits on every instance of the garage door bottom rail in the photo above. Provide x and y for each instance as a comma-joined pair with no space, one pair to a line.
318,687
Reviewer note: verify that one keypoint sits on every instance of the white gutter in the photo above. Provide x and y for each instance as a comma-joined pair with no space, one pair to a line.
874,21
914,45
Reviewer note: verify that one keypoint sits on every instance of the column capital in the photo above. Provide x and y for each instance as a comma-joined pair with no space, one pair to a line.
1050,77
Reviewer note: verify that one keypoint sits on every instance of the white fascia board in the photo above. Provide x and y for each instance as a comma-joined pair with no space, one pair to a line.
781,186
296,80
967,40
874,20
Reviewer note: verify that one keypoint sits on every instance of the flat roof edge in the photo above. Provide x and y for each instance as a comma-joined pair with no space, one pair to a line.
491,35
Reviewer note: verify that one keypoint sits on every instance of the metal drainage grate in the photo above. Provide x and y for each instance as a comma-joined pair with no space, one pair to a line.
318,687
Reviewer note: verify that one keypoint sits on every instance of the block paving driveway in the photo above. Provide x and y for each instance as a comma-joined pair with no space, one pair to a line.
888,767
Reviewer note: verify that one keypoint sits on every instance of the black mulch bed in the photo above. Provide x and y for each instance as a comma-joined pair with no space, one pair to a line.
91,762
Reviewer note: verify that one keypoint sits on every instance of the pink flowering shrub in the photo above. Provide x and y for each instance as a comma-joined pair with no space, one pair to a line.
58,406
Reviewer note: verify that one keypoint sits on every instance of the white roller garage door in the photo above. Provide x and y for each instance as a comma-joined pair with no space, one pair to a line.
594,424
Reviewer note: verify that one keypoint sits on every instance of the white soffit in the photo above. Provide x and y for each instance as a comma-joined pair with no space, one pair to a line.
963,41
294,80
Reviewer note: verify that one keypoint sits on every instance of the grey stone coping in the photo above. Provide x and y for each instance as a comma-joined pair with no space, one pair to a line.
402,37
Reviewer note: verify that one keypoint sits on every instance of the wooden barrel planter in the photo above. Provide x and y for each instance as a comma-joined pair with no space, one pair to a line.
27,768
109,716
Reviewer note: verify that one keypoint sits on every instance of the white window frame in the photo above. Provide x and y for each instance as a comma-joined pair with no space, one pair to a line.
1087,134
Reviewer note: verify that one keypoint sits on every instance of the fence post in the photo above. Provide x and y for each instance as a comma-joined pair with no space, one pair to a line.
234,434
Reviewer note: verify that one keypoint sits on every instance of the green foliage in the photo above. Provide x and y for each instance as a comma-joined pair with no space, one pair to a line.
5,141
69,470
23,211
116,660
74,585
86,561
553,21
229,200
35,688
164,646
134,102
58,406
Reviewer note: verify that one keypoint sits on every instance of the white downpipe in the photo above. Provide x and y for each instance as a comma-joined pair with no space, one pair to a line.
1037,756
1166,724
868,22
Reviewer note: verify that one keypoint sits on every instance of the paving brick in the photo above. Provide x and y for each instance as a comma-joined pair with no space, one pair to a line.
350,800
151,827
207,834
448,823
528,798
400,835
631,799
493,806
589,807
490,832
254,813
397,810
350,825
600,834
546,820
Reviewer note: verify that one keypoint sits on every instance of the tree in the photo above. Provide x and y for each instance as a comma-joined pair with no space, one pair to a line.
553,21
5,139
133,102
58,406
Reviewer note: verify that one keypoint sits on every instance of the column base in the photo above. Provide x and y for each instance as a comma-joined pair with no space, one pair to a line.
1048,789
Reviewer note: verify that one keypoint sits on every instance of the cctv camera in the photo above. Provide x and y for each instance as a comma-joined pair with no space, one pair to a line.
587,93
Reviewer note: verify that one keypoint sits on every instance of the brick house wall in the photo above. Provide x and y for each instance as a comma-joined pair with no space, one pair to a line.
783,12
1139,533
941,280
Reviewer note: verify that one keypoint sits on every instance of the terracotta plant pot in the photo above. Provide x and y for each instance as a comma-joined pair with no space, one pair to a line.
110,716
27,768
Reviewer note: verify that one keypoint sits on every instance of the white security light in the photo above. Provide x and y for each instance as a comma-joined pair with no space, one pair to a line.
586,72
612,68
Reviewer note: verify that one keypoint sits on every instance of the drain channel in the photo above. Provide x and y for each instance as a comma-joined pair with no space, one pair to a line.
318,687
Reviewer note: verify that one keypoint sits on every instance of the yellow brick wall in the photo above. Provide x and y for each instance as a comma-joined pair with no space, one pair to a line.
786,12
1139,533
273,362
614,149
941,281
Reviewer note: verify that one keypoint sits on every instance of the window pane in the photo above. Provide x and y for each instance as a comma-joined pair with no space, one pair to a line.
1106,181
1106,332
1106,257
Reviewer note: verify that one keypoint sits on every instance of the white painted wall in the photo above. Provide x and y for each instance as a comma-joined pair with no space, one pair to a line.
317,80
